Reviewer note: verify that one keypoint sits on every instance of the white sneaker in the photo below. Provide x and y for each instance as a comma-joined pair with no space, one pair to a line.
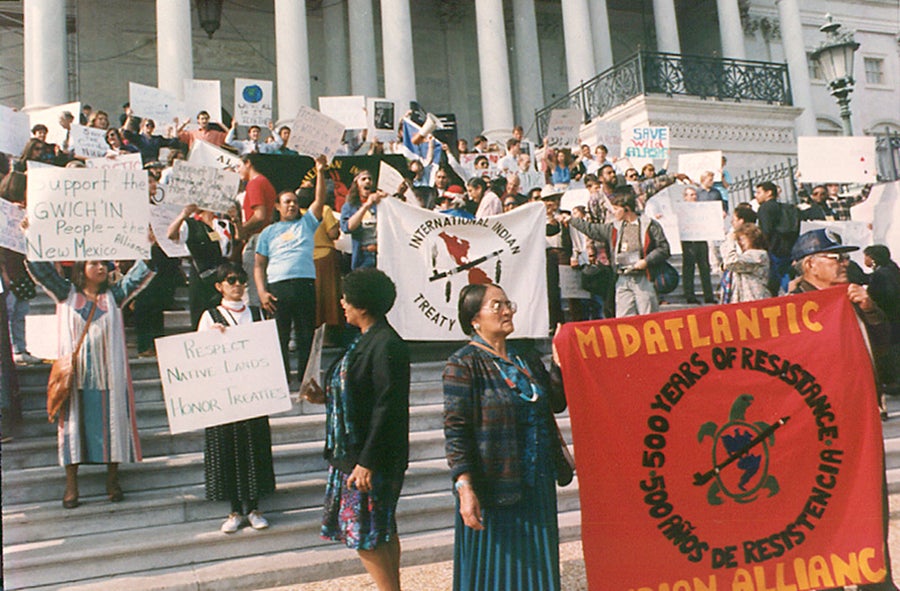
26,358
233,523
257,521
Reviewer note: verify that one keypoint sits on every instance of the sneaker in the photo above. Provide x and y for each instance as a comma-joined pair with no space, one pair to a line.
257,521
26,358
233,523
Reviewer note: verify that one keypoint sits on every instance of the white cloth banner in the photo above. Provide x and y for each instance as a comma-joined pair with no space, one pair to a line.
205,154
696,163
699,221
78,214
382,116
203,95
661,208
253,101
313,133
89,142
837,159
15,130
149,102
563,128
212,378
121,161
882,211
431,256
853,233
350,111
56,133
11,236
210,188
161,216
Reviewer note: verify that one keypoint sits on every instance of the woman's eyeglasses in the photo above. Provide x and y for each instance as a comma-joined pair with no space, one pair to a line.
497,306
234,279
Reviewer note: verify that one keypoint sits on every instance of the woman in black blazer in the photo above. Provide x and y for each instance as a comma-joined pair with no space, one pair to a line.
367,430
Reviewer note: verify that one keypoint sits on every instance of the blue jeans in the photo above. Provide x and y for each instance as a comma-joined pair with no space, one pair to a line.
17,310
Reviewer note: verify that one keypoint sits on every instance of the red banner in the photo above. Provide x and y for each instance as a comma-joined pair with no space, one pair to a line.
727,448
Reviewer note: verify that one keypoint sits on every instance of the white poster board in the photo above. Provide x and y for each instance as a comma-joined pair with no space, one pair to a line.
161,216
210,188
56,133
203,95
211,378
574,197
89,142
645,143
563,128
253,101
389,179
205,154
349,111
699,220
11,236
313,133
882,211
120,161
607,133
382,119
15,130
660,207
837,159
149,102
853,233
78,214
696,163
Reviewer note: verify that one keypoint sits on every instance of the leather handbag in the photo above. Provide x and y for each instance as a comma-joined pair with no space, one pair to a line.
12,186
665,277
62,375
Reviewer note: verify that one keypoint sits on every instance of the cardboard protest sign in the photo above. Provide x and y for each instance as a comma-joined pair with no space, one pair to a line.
78,214
699,220
573,198
121,161
696,163
89,142
853,233
210,188
661,207
56,134
837,159
382,119
211,378
11,236
727,448
253,101
15,130
205,154
607,133
882,211
645,143
431,256
203,95
390,179
149,102
493,159
349,111
313,133
563,128
161,216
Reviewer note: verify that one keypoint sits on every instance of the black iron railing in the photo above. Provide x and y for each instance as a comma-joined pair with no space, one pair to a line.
673,74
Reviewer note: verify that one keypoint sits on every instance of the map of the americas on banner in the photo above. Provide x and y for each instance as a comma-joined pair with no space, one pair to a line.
432,256
728,448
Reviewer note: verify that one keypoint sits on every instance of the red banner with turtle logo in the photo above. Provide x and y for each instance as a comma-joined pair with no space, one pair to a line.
728,448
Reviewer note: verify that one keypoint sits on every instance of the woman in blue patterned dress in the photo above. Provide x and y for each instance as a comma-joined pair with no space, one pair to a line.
503,449
367,430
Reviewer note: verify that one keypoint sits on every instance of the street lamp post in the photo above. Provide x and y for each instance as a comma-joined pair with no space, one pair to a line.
835,58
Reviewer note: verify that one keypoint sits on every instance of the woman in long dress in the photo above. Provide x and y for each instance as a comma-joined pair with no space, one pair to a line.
503,448
98,424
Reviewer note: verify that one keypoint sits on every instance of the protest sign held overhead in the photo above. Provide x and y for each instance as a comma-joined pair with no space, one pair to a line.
699,221
645,143
741,454
881,212
661,207
210,188
78,214
11,235
837,159
431,256
205,154
563,128
607,133
161,216
313,133
382,119
349,111
203,95
15,130
149,102
390,179
89,142
212,378
56,134
253,101
696,163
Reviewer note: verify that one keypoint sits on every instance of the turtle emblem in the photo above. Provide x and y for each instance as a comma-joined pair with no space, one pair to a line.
745,444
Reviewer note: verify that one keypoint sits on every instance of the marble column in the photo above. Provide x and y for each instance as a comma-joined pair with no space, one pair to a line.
798,68
291,57
397,50
603,54
666,26
174,51
363,67
579,42
730,30
493,66
529,79
46,79
337,58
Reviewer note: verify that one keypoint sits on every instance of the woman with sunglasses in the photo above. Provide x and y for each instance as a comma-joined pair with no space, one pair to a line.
237,457
503,449
117,145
